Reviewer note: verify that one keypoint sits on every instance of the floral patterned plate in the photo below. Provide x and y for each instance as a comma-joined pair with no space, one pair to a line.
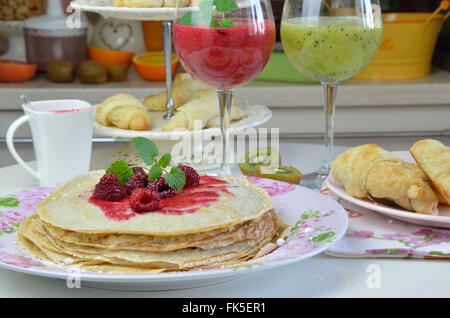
318,223
441,220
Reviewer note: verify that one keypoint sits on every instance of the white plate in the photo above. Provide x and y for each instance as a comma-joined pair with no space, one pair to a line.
107,10
256,115
321,222
441,220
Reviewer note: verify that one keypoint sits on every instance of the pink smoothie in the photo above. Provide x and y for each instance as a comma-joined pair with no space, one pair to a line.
225,57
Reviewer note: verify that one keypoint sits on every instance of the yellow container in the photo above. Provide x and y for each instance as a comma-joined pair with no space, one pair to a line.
407,45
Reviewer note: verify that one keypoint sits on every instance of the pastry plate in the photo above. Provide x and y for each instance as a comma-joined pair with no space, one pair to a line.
320,222
256,115
441,220
106,9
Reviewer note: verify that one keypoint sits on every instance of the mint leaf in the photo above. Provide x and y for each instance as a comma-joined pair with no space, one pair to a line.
146,149
226,23
190,18
164,160
155,172
176,179
9,202
225,5
122,170
214,23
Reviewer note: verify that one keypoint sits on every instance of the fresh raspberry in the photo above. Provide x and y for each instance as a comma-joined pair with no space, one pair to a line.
192,176
139,179
109,188
139,170
144,200
160,185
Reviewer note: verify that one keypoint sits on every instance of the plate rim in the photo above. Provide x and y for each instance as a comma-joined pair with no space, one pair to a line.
104,131
192,275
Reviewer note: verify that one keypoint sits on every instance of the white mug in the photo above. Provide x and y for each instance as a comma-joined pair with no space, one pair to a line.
62,138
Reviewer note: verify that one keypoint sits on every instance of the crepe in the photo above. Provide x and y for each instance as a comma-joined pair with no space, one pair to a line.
34,238
369,169
68,208
434,159
221,221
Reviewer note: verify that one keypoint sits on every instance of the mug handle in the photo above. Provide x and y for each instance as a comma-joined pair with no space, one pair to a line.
10,143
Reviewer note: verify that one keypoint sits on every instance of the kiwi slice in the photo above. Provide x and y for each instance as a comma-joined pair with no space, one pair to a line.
281,173
260,156
92,72
61,71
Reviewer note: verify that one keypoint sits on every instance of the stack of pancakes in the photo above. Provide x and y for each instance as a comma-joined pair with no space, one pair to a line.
68,229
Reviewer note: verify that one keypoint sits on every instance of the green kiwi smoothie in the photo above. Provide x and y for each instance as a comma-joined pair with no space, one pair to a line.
330,49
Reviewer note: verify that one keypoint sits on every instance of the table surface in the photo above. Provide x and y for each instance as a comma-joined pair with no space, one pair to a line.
320,276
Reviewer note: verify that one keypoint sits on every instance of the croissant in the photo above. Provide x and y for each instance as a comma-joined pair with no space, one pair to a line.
369,169
123,111
183,87
138,3
204,109
434,159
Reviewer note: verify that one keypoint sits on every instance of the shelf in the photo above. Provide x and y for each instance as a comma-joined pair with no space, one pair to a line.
432,90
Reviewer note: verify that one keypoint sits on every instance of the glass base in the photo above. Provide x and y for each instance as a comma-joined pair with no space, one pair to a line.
314,180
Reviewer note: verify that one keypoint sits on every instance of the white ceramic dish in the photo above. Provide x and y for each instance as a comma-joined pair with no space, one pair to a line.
320,223
256,115
441,220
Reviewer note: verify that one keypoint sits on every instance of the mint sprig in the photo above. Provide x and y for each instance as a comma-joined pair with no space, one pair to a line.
205,15
147,150
122,170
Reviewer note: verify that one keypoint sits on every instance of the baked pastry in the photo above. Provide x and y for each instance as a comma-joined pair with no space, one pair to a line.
434,159
369,169
123,111
204,108
183,89
151,3
138,3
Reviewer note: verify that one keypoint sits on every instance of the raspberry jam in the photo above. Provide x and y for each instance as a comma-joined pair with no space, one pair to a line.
187,201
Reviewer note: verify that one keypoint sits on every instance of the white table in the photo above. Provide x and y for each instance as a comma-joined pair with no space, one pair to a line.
320,276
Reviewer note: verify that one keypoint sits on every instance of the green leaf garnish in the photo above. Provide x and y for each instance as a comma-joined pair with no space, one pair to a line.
155,172
190,18
176,179
225,5
122,170
146,149
226,23
164,160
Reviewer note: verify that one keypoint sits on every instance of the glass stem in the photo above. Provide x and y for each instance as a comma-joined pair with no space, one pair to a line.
225,98
329,90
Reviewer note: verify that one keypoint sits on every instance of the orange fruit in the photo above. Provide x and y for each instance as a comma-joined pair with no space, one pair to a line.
150,65
15,71
110,57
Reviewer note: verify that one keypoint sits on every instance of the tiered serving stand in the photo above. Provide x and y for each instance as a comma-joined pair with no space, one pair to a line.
167,15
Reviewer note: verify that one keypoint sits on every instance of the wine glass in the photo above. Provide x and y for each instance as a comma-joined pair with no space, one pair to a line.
225,44
330,41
